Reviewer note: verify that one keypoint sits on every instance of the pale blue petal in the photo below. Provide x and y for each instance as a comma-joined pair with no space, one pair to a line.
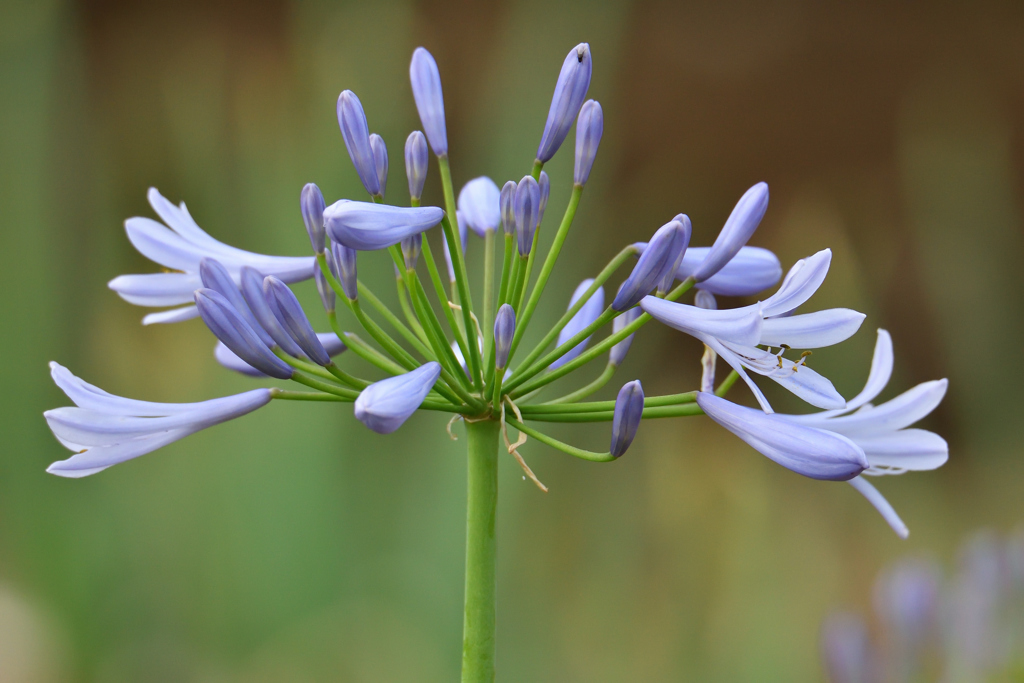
812,330
881,504
741,326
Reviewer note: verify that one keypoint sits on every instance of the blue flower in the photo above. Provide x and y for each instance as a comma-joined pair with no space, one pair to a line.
366,226
384,406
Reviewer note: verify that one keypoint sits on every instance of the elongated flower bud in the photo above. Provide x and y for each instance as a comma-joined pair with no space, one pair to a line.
544,183
464,239
323,288
619,351
344,267
332,343
508,211
311,201
629,410
705,300
231,328
366,226
252,290
570,89
216,277
480,205
741,224
661,258
527,211
416,163
426,90
589,129
814,453
380,160
411,247
504,330
588,313
356,134
385,405
670,275
289,312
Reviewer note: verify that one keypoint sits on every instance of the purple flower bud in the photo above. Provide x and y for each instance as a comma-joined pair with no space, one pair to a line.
589,129
426,90
812,452
629,410
665,285
588,313
385,405
527,212
323,288
479,205
356,134
507,203
216,277
411,247
380,160
343,265
619,351
661,258
416,163
332,343
230,327
311,201
366,226
504,330
252,290
289,313
706,300
464,238
741,224
846,650
544,182
570,89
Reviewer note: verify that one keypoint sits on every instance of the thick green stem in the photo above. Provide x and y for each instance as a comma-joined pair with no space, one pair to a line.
481,503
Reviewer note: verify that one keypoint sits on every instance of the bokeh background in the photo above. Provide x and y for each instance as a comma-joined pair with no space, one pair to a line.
293,544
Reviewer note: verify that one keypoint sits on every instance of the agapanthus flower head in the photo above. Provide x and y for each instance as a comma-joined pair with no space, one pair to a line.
323,288
426,90
619,351
226,357
660,259
590,311
356,134
104,429
289,313
312,205
416,163
506,202
252,291
380,161
384,406
738,228
343,265
527,212
480,205
629,409
228,325
366,226
589,129
504,330
570,91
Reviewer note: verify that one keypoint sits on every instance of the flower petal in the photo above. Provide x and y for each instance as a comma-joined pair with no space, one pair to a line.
751,270
90,397
590,312
800,284
738,325
881,504
174,315
900,412
99,458
367,226
907,449
812,330
156,289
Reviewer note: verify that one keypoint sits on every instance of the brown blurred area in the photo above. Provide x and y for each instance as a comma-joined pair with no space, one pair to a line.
298,547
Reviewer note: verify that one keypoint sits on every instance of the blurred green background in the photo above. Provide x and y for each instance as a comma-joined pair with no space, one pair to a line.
294,545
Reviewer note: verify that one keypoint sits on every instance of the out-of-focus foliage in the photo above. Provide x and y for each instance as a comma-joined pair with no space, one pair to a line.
298,546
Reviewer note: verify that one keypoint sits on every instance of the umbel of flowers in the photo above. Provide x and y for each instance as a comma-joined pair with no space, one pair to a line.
446,349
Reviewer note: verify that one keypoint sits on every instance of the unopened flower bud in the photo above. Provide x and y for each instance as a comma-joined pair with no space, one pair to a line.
216,277
670,274
619,351
366,226
527,212
230,327
356,134
323,288
385,405
380,160
411,247
504,330
344,263
507,203
629,410
311,201
661,258
416,163
739,227
706,300
589,129
426,90
289,313
570,89
544,182
252,290
480,206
